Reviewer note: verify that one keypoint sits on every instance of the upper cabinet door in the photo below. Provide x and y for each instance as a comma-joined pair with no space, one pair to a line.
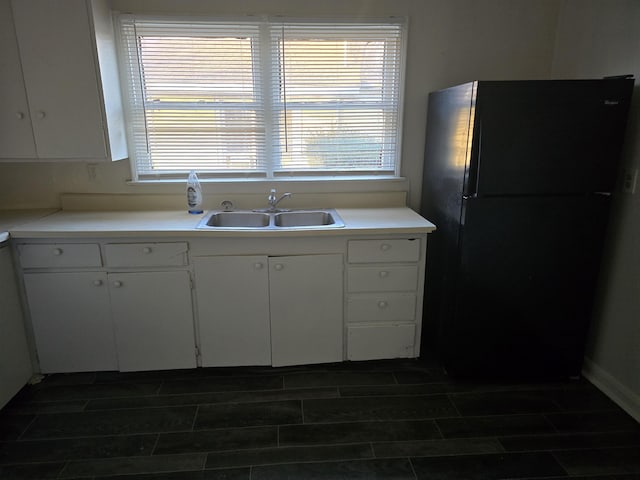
59,65
16,136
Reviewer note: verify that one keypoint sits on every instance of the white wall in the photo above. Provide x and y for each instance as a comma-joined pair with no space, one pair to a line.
450,42
597,38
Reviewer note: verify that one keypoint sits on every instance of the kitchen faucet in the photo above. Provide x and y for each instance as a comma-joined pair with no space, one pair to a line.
274,200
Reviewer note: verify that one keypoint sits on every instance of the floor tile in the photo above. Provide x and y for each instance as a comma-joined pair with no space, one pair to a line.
434,448
212,398
46,407
221,384
248,414
357,432
623,476
570,441
504,403
226,474
394,390
76,448
215,440
377,408
324,379
35,471
86,392
111,422
132,465
12,426
497,425
413,377
600,461
582,398
486,467
593,422
269,456
396,469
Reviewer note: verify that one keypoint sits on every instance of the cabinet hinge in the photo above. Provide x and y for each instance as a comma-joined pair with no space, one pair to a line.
190,281
197,352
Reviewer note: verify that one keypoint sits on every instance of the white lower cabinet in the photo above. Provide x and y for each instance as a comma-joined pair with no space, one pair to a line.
371,342
153,320
384,301
104,315
260,310
232,294
306,309
71,319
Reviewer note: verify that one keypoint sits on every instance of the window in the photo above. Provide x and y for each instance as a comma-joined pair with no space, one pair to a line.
262,99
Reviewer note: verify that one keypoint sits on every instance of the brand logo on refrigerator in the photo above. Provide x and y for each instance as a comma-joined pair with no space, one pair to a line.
612,102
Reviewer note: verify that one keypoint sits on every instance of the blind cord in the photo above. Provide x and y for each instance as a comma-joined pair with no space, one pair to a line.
141,78
284,93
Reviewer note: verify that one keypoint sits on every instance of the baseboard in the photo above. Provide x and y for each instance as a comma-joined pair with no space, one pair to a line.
626,399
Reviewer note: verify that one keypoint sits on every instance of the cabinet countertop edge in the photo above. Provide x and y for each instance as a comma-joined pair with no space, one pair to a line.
358,221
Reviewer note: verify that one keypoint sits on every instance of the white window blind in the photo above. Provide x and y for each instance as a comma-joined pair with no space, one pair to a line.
262,98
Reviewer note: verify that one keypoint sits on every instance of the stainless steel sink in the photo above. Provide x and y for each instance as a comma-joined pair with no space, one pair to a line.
237,220
304,219
282,220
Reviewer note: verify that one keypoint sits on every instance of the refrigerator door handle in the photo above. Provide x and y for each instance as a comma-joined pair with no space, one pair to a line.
604,194
467,197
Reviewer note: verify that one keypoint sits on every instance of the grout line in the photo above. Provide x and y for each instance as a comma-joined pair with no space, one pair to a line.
195,416
155,444
415,475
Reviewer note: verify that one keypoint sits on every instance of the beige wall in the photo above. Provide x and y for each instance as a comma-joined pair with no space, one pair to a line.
450,42
596,38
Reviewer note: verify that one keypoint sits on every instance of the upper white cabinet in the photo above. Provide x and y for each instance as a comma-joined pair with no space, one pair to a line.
16,135
59,92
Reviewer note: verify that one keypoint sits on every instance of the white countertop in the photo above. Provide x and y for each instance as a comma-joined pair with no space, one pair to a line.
181,223
10,219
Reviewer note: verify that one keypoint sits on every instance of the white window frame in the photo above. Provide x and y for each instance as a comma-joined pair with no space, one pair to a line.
268,91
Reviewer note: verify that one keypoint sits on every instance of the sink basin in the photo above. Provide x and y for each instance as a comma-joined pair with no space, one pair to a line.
238,220
304,219
293,219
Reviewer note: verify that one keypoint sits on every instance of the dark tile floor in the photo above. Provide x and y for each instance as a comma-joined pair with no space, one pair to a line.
370,420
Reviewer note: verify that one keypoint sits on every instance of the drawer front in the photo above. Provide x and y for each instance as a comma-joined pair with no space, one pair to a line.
384,307
380,341
172,254
52,255
380,251
392,278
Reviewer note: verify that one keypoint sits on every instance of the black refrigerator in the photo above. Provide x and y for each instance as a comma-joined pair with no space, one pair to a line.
518,178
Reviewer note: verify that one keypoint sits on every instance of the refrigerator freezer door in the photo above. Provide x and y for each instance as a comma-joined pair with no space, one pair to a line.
525,285
548,137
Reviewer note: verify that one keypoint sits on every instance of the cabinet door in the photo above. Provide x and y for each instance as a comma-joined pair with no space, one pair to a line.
59,66
233,310
153,320
16,136
306,309
71,321
15,363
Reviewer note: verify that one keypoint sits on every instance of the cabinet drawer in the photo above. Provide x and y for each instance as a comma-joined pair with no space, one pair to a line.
392,278
381,308
370,342
51,255
392,250
172,254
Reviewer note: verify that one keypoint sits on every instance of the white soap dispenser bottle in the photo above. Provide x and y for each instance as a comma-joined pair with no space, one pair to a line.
194,194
